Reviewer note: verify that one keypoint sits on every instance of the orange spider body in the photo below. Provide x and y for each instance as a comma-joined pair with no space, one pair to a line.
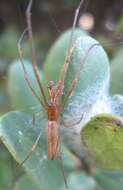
52,129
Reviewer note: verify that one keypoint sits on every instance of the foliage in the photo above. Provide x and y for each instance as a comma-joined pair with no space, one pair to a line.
117,73
105,153
18,131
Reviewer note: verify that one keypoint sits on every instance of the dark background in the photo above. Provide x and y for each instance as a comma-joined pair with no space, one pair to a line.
12,12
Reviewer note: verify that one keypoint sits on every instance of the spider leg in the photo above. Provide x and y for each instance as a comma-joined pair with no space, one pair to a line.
32,149
61,164
68,57
71,47
24,69
76,76
32,50
70,90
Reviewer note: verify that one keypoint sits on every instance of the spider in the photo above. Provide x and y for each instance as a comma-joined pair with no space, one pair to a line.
53,107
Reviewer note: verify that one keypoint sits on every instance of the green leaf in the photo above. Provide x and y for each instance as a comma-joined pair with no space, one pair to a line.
109,180
56,55
8,41
4,102
117,73
19,133
80,181
93,81
26,184
9,170
116,102
103,136
76,181
93,73
93,76
6,175
19,91
85,71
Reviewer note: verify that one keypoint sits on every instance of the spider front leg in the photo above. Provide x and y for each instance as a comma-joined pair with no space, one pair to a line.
32,51
24,69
